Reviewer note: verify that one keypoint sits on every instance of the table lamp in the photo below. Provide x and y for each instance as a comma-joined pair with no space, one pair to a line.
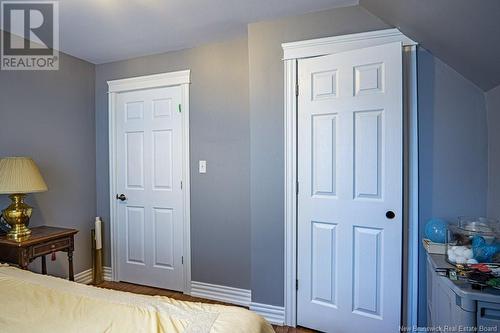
19,176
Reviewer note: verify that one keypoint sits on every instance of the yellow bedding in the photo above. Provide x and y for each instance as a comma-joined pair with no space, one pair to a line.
31,302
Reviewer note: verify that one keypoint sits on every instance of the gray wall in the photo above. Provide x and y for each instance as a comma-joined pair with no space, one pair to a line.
453,30
49,115
266,121
220,134
453,150
493,106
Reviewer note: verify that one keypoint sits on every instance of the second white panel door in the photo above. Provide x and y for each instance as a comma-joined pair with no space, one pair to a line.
149,198
350,167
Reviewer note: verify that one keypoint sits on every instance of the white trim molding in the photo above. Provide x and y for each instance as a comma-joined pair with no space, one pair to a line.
187,186
273,314
149,81
85,277
179,78
336,44
290,317
294,51
221,293
412,178
108,273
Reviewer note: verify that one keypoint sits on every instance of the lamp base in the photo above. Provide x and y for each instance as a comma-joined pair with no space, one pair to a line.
19,232
18,216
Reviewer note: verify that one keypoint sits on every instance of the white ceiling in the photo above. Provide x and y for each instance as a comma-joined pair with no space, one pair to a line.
101,31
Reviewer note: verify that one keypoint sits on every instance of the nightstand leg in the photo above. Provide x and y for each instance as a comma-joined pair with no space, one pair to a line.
24,259
70,262
44,265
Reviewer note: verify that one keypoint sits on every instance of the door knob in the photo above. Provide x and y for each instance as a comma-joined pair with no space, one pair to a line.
390,214
121,197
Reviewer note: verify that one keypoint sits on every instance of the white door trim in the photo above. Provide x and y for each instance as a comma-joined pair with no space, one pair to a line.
328,45
323,46
179,78
410,112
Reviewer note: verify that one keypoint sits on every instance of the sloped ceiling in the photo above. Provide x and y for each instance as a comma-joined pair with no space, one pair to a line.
463,33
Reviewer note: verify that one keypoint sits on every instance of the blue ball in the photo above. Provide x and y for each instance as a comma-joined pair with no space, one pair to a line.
435,230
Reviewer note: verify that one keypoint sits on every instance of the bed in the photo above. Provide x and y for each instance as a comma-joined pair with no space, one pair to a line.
31,302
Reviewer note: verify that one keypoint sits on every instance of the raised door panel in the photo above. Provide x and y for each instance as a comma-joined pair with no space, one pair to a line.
324,263
134,160
367,288
368,154
135,235
324,85
134,110
162,160
163,238
324,154
162,108
368,79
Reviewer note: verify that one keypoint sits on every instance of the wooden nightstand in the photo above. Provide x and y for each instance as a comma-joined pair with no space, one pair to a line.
43,240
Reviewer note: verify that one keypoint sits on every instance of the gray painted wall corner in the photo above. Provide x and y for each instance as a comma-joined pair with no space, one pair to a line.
452,151
49,115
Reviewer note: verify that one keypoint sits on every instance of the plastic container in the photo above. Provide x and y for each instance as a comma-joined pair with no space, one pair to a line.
473,240
434,248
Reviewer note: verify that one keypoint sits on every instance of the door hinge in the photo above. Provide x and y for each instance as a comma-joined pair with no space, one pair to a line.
297,284
180,108
297,188
182,260
296,89
181,184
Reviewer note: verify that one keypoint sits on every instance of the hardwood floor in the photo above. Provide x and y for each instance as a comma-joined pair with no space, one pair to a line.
137,289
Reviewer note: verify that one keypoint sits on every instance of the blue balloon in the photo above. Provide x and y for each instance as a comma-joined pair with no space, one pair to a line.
435,230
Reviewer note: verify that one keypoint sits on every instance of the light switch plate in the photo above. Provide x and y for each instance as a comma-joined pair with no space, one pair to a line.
202,166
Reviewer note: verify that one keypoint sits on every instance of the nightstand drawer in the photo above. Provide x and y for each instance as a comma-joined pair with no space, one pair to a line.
49,247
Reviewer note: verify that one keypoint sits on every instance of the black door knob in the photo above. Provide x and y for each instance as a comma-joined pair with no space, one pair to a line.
121,197
390,214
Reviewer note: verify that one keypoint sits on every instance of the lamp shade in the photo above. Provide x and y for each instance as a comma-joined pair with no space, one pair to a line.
20,175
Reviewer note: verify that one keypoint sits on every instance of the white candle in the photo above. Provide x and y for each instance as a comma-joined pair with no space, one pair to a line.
98,233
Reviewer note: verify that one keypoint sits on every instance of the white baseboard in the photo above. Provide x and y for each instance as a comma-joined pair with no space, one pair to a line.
85,276
273,314
221,293
108,273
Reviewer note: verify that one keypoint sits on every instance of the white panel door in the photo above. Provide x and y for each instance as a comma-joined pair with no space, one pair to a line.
350,168
149,171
